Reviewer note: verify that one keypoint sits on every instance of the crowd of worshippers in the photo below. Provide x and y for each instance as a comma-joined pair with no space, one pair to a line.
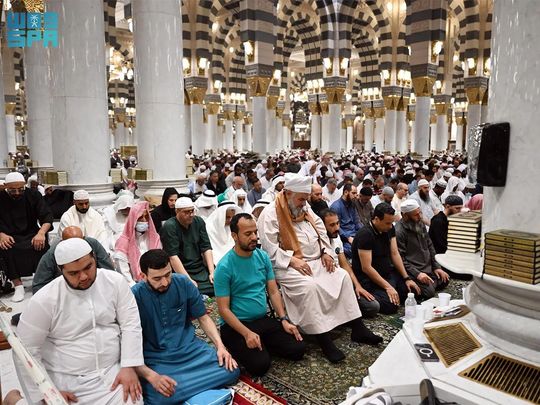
288,250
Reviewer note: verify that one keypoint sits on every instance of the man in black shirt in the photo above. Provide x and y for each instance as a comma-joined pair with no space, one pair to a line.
438,230
316,199
377,263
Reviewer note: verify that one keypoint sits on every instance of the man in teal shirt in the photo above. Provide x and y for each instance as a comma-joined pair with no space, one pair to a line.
241,280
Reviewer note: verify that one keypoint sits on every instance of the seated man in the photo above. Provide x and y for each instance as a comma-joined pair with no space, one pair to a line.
256,193
185,239
438,230
387,195
368,304
243,277
22,241
177,364
377,264
417,252
47,269
84,329
348,216
318,295
363,205
426,203
82,215
316,201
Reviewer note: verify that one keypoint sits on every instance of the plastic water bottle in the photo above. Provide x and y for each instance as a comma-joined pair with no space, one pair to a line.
410,307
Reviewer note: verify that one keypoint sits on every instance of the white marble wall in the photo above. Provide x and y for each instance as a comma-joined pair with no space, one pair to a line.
514,97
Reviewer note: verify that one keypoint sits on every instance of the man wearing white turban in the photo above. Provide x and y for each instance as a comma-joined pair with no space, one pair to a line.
86,218
84,329
115,217
318,295
276,186
22,241
219,231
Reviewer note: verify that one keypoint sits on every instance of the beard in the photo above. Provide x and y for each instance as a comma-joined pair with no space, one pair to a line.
333,235
248,247
160,290
76,287
81,210
295,212
423,196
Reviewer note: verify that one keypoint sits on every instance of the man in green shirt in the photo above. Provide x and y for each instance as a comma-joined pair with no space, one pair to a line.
185,240
243,276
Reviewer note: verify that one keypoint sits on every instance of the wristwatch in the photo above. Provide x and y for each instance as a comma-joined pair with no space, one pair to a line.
407,278
284,318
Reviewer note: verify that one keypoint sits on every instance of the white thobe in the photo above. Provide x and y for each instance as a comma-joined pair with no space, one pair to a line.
83,337
122,262
331,197
318,303
91,224
114,223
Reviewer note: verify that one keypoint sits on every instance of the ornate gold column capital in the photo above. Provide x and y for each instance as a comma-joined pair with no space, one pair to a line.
212,108
258,85
423,86
379,112
196,95
10,108
461,120
334,94
441,108
475,89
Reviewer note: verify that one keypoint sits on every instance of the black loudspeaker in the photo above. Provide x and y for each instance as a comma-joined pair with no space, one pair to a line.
493,154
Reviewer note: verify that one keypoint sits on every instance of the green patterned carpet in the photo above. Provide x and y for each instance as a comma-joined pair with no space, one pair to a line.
316,381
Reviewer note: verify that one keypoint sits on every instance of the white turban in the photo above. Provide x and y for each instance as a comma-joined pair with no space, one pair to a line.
409,205
81,195
124,201
423,182
207,199
462,167
71,249
184,202
14,177
298,184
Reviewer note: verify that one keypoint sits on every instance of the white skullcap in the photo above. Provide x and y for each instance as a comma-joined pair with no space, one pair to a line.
416,165
298,184
462,167
447,174
14,177
71,249
409,172
441,183
80,195
388,191
423,182
202,167
409,205
184,202
2,182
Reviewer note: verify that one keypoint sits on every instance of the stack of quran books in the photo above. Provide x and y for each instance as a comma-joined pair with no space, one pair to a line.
514,255
464,231
116,175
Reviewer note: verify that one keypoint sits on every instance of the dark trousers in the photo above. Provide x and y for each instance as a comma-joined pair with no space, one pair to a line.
274,340
386,306
428,290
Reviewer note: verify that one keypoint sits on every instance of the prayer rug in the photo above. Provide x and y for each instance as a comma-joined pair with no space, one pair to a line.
249,393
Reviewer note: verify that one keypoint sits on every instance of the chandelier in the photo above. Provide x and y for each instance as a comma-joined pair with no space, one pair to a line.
119,69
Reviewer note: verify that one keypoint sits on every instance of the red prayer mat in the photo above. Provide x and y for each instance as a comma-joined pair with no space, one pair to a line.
249,393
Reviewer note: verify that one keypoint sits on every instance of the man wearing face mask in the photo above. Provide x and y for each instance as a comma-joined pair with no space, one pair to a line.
138,237
86,218
22,241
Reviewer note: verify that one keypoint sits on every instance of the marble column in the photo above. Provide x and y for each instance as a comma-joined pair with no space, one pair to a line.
286,135
239,125
369,129
271,142
134,137
506,312
474,118
259,124
379,129
325,133
228,141
186,114
247,137
422,122
461,124
279,134
413,136
390,129
38,104
112,139
3,129
119,135
349,138
159,91
402,141
10,128
211,137
484,113
333,136
432,135
315,141
342,138
198,131
80,123
442,133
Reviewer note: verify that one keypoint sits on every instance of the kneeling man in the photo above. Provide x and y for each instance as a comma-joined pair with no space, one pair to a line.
84,328
243,276
178,365
318,295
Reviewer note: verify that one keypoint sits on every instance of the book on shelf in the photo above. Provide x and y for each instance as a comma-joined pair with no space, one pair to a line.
513,251
508,236
522,271
501,256
471,249
471,217
512,245
524,279
462,236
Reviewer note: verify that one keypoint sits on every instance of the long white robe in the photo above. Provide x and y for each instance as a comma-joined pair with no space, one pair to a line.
319,303
83,337
91,224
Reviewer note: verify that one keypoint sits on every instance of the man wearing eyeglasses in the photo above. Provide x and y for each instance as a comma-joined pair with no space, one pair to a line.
22,240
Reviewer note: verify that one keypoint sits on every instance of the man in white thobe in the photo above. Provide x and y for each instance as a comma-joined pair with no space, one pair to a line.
84,328
318,295
85,217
